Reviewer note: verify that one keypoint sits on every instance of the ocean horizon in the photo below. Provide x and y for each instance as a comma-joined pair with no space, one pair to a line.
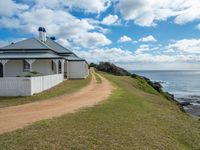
183,84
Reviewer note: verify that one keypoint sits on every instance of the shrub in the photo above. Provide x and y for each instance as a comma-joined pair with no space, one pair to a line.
110,68
30,74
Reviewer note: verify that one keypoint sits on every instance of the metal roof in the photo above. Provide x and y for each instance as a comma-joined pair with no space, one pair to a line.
56,47
35,44
27,44
73,57
34,48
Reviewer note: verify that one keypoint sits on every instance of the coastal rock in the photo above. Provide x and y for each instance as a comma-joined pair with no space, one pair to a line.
184,103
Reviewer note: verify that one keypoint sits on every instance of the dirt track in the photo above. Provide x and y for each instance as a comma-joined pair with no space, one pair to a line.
14,117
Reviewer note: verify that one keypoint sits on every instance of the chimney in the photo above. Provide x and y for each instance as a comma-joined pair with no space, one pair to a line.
40,30
42,34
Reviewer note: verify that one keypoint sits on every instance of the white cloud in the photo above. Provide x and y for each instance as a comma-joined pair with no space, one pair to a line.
142,49
9,22
118,55
9,8
124,39
110,19
148,12
198,26
186,45
89,6
107,54
149,38
64,42
82,32
92,6
91,40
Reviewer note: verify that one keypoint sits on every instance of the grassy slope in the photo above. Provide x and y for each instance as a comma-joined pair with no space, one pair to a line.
66,87
129,119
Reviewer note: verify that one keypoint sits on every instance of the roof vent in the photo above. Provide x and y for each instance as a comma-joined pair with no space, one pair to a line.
42,34
12,43
53,38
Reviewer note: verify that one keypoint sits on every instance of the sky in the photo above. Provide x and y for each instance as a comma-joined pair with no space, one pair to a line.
133,34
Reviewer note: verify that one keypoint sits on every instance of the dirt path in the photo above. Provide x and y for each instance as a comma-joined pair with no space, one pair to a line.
14,117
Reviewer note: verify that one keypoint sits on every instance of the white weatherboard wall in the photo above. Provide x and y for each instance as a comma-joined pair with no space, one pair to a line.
14,68
28,86
78,69
43,67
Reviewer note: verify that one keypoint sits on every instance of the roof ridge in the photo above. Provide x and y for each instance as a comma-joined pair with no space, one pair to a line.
59,44
44,44
15,43
63,47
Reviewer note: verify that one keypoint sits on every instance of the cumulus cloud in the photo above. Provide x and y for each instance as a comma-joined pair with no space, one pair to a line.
149,38
118,55
92,6
110,20
89,6
91,40
9,8
186,45
124,39
142,49
148,12
58,22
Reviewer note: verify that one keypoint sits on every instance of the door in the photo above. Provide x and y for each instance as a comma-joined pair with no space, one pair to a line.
1,70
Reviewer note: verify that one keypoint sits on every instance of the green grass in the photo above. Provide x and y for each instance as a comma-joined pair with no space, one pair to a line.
66,87
129,119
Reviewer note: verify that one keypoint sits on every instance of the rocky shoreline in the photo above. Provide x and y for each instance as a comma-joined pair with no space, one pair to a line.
191,104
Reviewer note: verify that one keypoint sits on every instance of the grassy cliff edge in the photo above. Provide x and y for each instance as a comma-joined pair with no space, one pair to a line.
135,116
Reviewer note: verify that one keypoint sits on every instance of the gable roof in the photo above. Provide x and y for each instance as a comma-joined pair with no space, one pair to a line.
34,48
35,44
27,44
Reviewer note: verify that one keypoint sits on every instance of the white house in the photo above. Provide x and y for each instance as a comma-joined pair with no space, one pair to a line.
42,55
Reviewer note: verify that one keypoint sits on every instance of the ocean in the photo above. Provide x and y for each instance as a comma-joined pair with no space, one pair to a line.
184,85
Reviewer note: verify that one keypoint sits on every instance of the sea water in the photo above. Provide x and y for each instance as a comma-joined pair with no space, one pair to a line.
184,85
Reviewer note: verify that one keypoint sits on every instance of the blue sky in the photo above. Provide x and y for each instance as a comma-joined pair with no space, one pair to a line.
134,34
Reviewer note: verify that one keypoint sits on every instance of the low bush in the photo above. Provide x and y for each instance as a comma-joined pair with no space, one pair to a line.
30,74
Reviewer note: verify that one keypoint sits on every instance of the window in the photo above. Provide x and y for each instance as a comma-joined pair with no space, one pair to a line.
26,66
52,65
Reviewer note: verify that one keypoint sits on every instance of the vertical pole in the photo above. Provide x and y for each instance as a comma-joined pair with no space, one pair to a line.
3,62
68,69
62,66
3,69
56,62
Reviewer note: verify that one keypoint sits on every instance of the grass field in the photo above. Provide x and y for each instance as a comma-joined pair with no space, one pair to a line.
66,87
129,119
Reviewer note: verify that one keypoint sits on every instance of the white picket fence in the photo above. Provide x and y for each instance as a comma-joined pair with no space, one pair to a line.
20,86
